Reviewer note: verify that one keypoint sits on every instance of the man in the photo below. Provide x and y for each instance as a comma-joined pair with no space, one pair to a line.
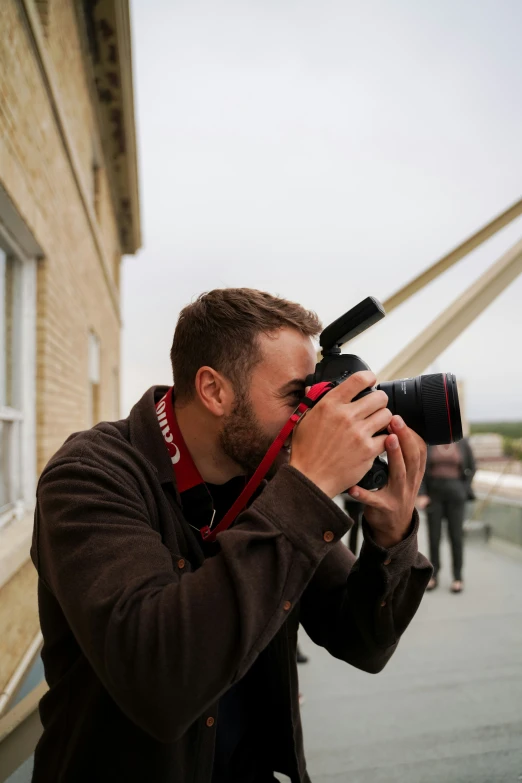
173,659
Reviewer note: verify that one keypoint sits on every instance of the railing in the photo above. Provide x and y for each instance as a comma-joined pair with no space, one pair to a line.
20,730
20,726
17,678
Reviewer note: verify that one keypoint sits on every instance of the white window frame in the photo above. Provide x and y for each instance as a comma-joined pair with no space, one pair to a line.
20,421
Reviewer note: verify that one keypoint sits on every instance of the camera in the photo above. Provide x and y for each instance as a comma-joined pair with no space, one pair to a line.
429,404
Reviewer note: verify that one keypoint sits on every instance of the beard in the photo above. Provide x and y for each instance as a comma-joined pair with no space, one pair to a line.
244,441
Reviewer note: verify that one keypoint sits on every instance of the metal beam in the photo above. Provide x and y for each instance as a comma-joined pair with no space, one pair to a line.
455,255
430,343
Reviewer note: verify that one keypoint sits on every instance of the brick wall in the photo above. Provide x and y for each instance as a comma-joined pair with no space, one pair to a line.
73,293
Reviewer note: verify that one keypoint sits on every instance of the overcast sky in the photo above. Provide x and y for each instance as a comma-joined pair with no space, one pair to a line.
327,150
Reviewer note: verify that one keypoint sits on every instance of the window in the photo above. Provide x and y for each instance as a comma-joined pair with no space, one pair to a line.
94,379
17,382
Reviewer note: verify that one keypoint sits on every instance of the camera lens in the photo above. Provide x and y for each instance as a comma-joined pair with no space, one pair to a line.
429,404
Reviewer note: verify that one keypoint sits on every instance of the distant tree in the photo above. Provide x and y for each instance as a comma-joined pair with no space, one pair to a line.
513,448
508,429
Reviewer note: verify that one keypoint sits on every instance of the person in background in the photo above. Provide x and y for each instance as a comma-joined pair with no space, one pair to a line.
443,493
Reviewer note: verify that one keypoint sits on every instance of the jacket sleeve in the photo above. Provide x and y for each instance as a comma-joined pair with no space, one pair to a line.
166,646
358,609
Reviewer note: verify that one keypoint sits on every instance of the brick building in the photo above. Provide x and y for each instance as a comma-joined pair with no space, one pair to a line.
69,210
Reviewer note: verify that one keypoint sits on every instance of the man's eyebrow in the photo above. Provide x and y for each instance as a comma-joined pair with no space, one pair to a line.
292,385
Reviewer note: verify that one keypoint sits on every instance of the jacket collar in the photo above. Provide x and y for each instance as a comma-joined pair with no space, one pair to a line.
145,434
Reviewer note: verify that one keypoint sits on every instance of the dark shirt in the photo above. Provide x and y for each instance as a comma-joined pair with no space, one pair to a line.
238,756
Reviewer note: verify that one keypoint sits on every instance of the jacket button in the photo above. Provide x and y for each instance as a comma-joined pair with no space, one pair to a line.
328,536
210,722
287,606
383,603
181,563
387,562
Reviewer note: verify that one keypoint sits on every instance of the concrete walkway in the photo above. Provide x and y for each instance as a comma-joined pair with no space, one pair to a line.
447,708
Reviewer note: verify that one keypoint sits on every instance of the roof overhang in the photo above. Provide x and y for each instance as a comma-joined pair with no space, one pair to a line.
109,32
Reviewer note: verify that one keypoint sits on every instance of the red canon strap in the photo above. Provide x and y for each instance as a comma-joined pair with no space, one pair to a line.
187,475
313,396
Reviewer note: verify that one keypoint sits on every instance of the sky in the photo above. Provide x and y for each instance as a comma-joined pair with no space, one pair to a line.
327,151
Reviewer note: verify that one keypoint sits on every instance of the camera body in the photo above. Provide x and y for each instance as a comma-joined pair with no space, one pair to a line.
428,404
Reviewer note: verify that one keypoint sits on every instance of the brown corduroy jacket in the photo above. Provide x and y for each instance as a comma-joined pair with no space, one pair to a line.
142,635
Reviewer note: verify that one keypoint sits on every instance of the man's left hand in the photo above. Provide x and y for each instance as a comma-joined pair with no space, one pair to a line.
389,511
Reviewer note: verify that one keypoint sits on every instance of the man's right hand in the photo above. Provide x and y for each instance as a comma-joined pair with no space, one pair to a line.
334,445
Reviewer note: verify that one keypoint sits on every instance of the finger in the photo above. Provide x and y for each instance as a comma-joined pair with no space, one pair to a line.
354,385
378,421
377,445
423,455
410,443
373,499
370,403
396,463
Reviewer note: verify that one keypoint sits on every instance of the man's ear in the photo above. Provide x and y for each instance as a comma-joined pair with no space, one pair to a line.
214,391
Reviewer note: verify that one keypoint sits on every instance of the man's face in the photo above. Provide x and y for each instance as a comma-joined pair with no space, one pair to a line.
272,392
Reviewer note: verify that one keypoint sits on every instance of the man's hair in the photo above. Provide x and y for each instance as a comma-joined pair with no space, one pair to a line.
221,329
